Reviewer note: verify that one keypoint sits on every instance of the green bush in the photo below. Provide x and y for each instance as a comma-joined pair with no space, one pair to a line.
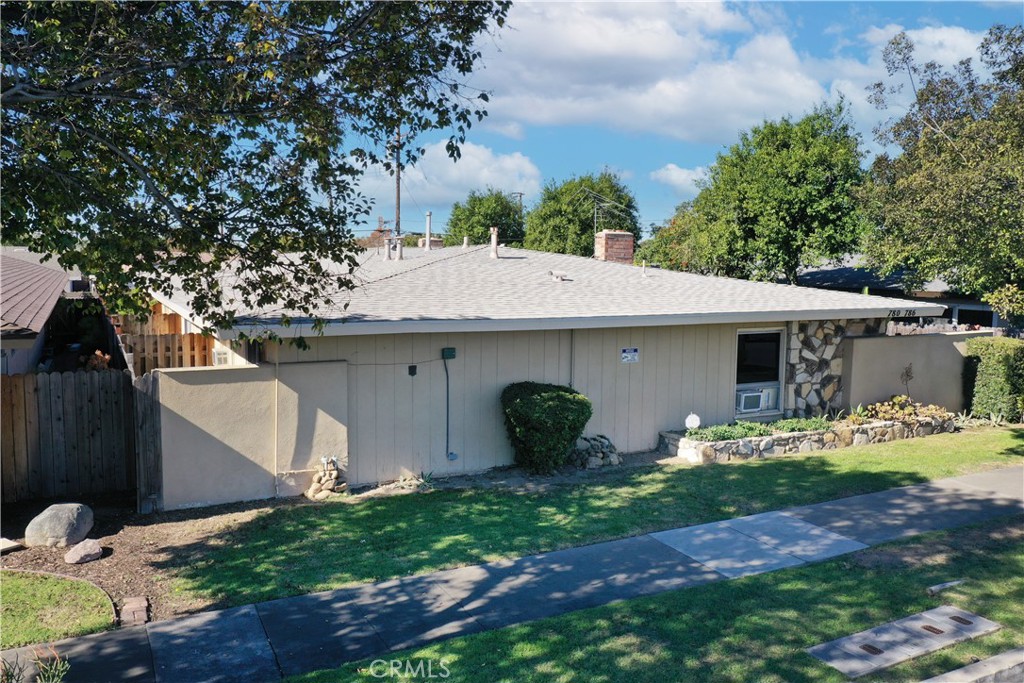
998,386
800,424
739,430
543,423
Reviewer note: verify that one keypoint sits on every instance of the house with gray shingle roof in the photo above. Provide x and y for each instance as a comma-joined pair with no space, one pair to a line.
29,291
406,377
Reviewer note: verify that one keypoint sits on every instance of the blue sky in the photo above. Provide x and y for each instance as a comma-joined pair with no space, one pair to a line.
654,90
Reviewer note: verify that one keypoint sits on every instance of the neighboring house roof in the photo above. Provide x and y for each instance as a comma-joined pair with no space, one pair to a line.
23,254
28,293
852,274
456,290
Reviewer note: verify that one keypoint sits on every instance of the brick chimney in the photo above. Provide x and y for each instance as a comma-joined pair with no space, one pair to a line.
614,245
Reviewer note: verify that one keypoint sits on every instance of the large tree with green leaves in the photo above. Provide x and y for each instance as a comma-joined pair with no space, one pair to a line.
481,211
689,241
950,202
569,213
781,198
156,144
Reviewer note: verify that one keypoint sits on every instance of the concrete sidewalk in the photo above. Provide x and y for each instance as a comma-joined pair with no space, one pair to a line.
295,635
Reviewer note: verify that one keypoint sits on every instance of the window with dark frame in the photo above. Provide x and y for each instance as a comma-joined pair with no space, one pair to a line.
758,358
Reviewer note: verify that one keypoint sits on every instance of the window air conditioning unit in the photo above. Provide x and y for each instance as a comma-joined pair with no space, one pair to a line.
756,400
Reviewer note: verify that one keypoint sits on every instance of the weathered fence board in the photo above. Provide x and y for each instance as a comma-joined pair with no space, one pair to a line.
70,432
149,486
67,434
7,441
35,473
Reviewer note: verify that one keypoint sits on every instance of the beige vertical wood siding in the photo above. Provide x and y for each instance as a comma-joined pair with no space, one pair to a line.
681,369
397,421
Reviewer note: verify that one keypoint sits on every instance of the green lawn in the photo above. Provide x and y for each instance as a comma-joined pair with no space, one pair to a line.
303,549
37,609
753,629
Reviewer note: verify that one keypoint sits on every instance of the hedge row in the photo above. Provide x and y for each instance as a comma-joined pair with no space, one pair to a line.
994,377
543,422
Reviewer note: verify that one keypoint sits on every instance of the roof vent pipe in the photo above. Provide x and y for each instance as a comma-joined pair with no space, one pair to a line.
494,243
426,245
399,243
387,249
465,242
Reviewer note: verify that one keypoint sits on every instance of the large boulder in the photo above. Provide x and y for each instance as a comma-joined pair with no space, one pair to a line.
59,526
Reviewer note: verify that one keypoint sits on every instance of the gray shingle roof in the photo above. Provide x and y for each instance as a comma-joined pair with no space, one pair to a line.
449,290
28,293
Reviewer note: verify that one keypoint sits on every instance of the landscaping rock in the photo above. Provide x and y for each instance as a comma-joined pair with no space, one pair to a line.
860,439
59,526
593,462
323,495
86,551
614,459
582,444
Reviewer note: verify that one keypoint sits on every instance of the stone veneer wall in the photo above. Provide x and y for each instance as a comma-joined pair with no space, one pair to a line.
814,364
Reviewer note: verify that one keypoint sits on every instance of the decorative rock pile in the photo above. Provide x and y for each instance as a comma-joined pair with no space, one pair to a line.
65,526
592,452
326,482
59,526
840,435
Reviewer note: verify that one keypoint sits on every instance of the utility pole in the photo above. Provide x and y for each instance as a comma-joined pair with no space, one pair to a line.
398,183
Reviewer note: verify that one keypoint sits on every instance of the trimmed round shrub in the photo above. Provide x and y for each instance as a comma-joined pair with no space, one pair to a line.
543,422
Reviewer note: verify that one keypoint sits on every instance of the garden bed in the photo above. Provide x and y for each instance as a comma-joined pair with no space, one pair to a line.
838,435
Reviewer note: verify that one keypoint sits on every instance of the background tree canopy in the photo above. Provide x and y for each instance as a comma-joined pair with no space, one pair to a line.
781,198
481,211
563,220
151,143
950,204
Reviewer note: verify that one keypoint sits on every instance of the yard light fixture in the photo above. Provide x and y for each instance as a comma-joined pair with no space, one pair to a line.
692,421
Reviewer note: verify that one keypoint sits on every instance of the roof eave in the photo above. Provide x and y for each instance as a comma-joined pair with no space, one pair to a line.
339,329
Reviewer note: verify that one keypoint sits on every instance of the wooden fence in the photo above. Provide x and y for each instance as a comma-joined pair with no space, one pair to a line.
67,434
158,322
147,352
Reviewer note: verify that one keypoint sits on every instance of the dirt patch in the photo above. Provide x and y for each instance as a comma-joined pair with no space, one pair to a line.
133,546
941,550
138,549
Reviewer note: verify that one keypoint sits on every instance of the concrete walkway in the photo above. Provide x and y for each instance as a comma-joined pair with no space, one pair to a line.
295,635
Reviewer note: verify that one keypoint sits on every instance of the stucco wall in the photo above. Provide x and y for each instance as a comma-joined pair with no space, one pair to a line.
246,433
873,365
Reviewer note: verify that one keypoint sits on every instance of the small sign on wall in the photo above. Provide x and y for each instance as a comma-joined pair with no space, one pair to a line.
631,355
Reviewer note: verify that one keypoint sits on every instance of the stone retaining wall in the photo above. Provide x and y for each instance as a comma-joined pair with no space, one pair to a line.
840,435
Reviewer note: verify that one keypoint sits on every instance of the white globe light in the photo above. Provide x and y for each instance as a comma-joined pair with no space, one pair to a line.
692,421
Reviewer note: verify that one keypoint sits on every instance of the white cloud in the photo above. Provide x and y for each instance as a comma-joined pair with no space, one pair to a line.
647,67
697,72
683,180
436,181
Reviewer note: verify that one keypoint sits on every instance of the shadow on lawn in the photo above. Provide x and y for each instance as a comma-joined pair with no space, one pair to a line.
1017,448
752,629
299,549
